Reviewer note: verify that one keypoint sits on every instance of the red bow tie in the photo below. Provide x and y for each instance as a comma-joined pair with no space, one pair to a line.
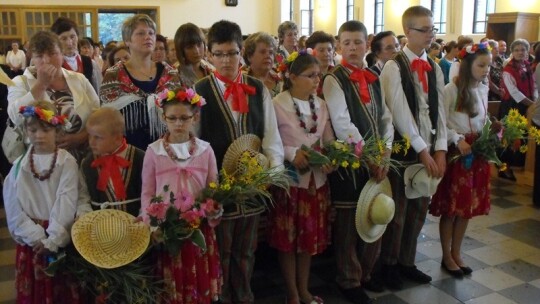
110,166
363,78
238,91
421,67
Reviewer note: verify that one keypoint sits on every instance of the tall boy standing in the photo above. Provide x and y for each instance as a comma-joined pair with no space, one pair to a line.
237,104
413,86
357,110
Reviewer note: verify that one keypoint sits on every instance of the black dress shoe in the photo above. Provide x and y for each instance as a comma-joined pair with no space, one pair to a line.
375,285
412,273
507,174
466,270
356,295
391,277
458,273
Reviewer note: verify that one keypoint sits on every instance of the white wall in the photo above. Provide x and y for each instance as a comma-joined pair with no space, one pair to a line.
251,15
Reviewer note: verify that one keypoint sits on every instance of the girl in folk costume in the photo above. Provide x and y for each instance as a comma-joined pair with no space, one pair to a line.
40,196
133,87
186,165
299,223
464,190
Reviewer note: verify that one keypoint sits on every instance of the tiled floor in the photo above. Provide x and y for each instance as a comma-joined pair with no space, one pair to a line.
502,248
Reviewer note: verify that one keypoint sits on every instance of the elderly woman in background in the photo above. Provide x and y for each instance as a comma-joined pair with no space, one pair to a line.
323,45
519,92
288,38
70,92
495,72
120,53
161,49
134,87
190,45
259,52
384,46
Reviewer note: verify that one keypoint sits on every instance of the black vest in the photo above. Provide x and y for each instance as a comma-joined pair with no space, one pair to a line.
407,84
88,68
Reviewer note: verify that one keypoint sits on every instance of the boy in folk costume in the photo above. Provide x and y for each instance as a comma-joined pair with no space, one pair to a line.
237,104
111,173
357,110
413,86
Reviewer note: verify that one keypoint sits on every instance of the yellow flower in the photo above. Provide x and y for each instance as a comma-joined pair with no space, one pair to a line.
47,115
396,148
195,99
170,95
406,143
504,143
225,187
212,185
534,133
334,162
292,57
356,165
344,164
523,149
503,167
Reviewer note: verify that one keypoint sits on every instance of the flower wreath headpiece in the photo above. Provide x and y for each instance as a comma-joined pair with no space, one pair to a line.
181,95
45,115
285,64
472,49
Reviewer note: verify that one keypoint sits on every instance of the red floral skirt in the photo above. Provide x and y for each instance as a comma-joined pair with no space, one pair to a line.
299,223
463,192
33,286
192,277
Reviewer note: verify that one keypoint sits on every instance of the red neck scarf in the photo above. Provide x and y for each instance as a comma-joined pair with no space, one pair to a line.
80,68
238,91
421,67
363,78
110,167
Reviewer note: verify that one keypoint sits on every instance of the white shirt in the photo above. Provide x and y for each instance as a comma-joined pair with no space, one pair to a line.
54,199
454,70
403,119
16,60
513,90
272,146
459,123
341,119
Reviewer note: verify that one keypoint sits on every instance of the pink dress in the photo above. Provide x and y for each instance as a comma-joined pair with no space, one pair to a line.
192,276
299,222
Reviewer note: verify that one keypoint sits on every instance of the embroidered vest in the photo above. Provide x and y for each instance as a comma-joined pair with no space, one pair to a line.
407,84
524,81
219,128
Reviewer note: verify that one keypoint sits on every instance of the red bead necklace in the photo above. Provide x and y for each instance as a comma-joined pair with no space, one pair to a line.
171,153
49,172
313,129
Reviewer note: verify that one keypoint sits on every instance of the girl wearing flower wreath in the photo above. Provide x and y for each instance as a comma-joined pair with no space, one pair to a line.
40,196
464,191
186,165
299,222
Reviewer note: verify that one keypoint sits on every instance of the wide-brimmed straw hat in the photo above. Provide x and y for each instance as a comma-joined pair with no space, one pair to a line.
418,183
249,143
110,238
375,209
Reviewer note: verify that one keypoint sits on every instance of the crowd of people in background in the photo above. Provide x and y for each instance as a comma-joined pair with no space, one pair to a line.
289,91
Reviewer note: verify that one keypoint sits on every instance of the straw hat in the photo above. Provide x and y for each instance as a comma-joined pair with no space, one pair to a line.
375,210
418,183
250,143
110,238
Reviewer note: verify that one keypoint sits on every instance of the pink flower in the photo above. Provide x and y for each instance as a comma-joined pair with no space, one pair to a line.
157,210
193,217
500,134
350,140
186,202
163,94
190,93
358,148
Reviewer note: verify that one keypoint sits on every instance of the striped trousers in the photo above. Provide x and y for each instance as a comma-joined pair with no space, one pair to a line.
401,236
237,242
354,258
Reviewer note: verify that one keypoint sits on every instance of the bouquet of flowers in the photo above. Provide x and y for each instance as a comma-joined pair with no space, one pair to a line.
248,184
178,225
514,130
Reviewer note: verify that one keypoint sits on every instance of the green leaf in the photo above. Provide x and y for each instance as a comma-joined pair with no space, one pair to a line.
198,239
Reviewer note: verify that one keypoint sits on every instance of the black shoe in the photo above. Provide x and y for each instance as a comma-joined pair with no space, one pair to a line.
391,277
412,273
466,270
458,273
375,285
356,295
507,174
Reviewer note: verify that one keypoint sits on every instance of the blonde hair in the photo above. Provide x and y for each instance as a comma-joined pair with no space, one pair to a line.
130,24
111,118
414,12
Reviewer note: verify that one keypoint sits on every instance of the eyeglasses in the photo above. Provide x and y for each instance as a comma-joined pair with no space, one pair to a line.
182,119
426,31
312,76
222,56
